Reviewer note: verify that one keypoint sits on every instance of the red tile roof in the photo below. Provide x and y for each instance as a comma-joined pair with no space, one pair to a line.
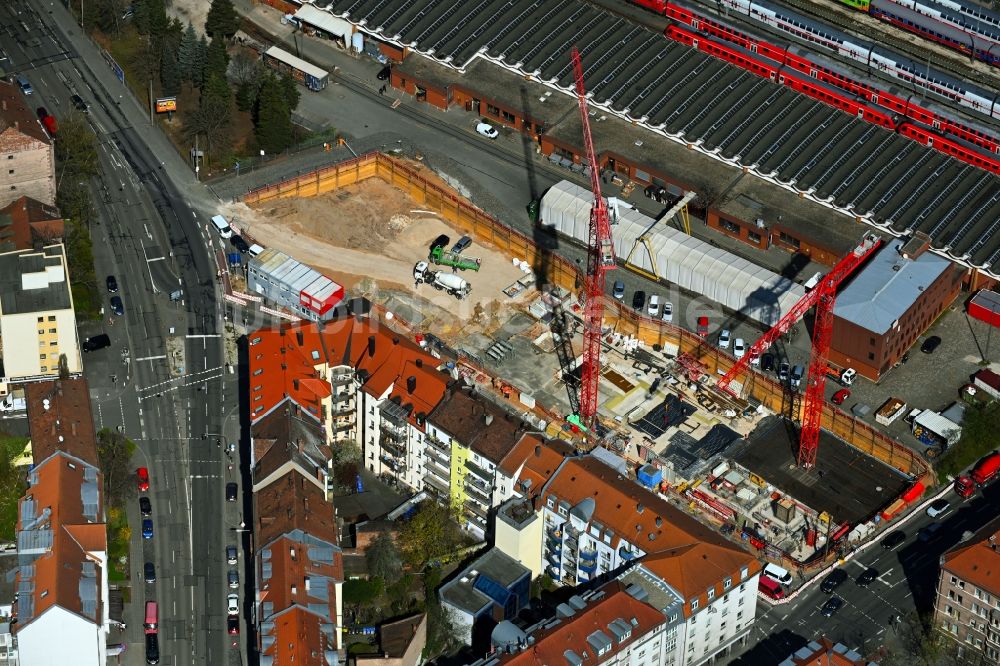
59,419
298,639
571,633
283,364
977,560
31,222
690,556
825,654
15,116
56,495
534,459
291,502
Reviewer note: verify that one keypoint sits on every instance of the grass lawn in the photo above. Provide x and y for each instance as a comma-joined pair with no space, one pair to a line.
119,536
12,484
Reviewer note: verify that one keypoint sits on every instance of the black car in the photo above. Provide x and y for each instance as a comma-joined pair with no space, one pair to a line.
639,300
145,506
783,372
461,244
930,344
112,284
233,624
384,73
867,577
152,649
440,241
97,342
239,243
231,491
117,306
894,539
833,580
767,362
832,605
79,104
149,572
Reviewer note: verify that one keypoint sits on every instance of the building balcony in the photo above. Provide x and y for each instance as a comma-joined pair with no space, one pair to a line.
625,554
476,509
554,572
436,486
588,554
392,430
438,456
483,475
438,445
392,448
396,466
588,567
341,377
554,559
439,471
343,408
570,543
478,493
554,530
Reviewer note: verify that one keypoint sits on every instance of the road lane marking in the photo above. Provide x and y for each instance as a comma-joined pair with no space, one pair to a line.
152,358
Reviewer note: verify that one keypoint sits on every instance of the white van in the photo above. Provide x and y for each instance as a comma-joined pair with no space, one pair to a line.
255,250
812,282
779,574
222,226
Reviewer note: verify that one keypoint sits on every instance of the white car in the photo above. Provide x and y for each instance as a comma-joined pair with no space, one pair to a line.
755,360
739,348
724,337
668,311
654,305
233,604
487,130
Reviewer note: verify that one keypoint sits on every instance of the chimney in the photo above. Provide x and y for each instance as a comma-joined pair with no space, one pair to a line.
420,362
301,446
299,337
411,384
371,345
488,419
395,340
538,451
295,384
72,428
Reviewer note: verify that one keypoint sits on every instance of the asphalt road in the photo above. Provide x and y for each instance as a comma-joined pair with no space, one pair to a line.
906,583
151,234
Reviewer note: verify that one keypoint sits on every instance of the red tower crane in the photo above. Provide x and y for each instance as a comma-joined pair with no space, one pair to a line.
600,258
823,296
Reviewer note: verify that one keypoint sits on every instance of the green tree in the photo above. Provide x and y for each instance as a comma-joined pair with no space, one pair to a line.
114,455
273,117
246,73
187,53
108,15
140,16
212,119
216,60
76,149
293,93
170,74
979,428
12,485
198,67
441,633
429,534
221,20
360,592
383,557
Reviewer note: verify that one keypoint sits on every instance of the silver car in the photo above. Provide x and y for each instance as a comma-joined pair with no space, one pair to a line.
234,578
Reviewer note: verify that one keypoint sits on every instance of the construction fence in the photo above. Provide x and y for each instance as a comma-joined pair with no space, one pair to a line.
484,228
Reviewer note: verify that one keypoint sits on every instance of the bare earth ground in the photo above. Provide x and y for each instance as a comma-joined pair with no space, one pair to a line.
193,11
368,237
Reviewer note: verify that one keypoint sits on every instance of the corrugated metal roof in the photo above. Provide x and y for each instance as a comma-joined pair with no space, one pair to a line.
886,288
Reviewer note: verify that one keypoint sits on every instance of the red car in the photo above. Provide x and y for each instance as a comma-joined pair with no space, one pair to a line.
143,475
840,396
703,326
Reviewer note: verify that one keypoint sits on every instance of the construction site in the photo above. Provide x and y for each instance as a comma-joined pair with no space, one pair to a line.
782,469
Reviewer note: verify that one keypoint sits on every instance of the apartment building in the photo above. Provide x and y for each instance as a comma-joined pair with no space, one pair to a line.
467,438
28,152
37,321
609,625
491,589
967,606
27,223
61,581
589,521
824,652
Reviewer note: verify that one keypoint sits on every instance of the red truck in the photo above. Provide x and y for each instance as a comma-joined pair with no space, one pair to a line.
986,469
964,487
48,121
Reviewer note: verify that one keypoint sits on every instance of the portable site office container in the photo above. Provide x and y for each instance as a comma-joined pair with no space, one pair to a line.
293,285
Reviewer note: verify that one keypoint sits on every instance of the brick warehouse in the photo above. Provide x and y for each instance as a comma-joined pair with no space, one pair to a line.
30,164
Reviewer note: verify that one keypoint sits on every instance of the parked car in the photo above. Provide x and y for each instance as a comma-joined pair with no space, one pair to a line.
840,396
619,290
866,577
832,605
79,104
487,130
833,580
847,376
893,539
739,348
149,572
145,507
143,475
231,491
930,344
112,284
233,625
755,359
233,577
724,338
99,341
783,372
668,311
147,528
938,507
928,532
233,604
152,649
702,327
231,555
638,300
440,241
654,306
117,306
239,243
767,362
797,373
384,73
461,244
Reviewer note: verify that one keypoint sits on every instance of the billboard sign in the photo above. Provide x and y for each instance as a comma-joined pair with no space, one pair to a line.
166,104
